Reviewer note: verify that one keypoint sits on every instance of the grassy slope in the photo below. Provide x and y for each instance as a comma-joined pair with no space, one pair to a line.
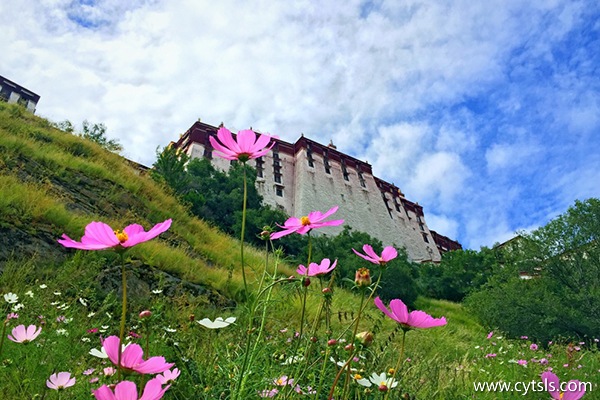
52,183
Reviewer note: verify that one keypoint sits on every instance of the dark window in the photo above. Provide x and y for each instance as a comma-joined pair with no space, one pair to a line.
361,178
277,178
259,167
4,94
345,172
326,162
279,191
425,238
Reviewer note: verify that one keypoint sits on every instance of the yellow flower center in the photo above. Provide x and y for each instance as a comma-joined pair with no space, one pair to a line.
357,376
391,371
305,221
122,236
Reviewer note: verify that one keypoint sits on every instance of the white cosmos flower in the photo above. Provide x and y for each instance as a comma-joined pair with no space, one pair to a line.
292,360
218,323
99,353
11,298
43,286
83,302
29,293
157,291
379,380
17,307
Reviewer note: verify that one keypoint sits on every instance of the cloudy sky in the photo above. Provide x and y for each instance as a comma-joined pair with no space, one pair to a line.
487,113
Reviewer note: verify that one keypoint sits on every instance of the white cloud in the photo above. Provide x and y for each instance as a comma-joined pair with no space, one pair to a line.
436,95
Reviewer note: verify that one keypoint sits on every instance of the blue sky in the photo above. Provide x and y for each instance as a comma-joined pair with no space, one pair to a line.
486,113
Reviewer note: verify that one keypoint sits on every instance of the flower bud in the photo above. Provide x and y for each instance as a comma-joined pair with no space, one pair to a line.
348,347
332,342
314,339
192,317
306,282
326,290
383,388
145,314
362,277
365,338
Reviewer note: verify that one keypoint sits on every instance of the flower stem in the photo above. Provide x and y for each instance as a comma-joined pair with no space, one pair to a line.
123,314
400,358
243,230
347,364
3,335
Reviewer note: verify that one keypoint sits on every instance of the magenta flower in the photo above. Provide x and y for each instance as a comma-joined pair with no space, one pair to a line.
304,224
20,334
61,380
315,269
415,319
245,147
127,390
132,357
388,254
168,376
100,236
575,389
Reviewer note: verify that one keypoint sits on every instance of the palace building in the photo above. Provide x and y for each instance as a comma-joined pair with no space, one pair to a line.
306,175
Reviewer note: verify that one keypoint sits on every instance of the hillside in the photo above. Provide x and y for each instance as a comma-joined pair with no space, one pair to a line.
54,182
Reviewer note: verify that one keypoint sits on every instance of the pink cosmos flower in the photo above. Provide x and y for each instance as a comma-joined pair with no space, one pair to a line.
304,224
388,254
127,390
268,393
415,319
100,236
533,346
20,334
575,390
315,269
61,380
168,376
245,147
283,381
132,357
490,335
522,362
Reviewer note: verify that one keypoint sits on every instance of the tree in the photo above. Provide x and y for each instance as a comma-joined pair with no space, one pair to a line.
563,296
169,167
97,134
459,273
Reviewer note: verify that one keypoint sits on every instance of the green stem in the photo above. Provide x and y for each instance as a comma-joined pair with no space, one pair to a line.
123,314
400,358
346,365
365,305
243,231
4,324
249,355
